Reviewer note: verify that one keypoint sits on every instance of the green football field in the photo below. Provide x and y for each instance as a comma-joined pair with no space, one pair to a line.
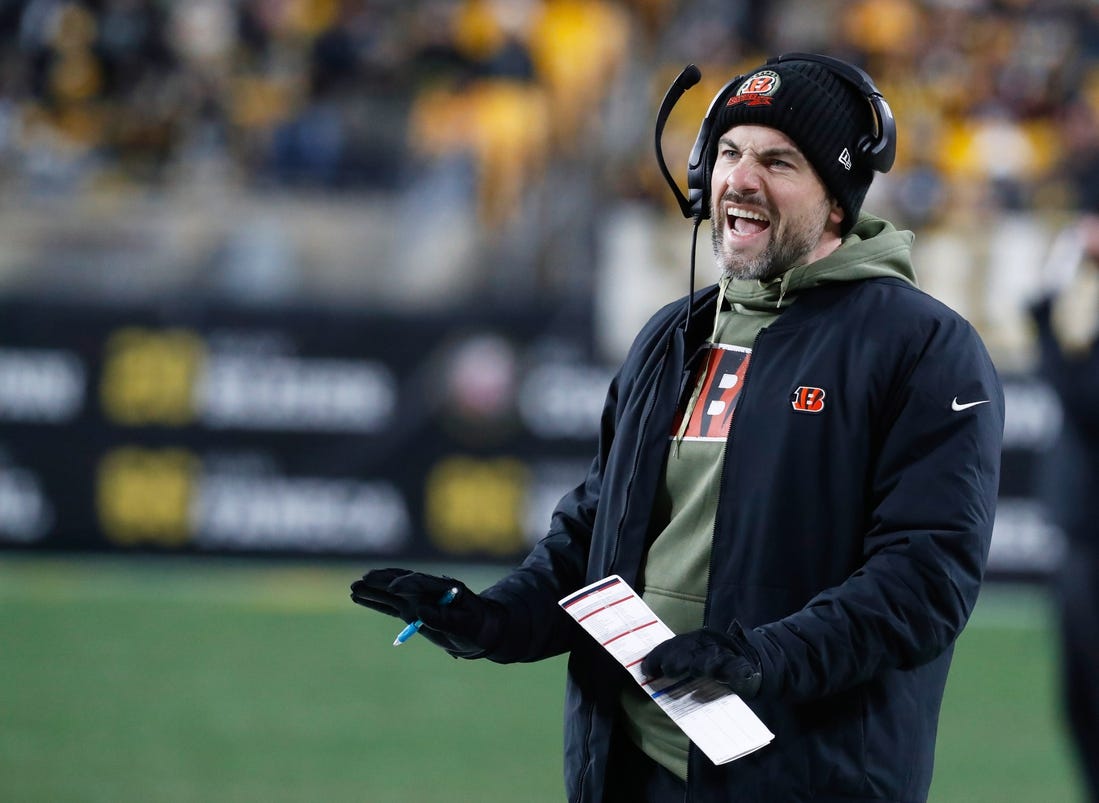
201,680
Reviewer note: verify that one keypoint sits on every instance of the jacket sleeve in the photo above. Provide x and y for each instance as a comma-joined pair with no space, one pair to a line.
933,488
536,627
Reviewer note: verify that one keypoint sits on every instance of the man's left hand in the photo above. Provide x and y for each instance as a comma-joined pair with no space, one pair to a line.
708,653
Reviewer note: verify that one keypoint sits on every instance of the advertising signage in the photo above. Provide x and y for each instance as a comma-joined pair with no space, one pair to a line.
295,431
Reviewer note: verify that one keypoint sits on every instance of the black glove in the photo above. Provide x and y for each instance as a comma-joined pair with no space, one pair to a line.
467,626
707,653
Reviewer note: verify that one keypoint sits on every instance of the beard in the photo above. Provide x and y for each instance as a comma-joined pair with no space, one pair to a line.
786,248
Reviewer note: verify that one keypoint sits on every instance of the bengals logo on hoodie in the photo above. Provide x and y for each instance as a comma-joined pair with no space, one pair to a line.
721,376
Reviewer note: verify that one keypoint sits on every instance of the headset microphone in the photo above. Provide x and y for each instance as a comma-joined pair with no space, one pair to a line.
690,76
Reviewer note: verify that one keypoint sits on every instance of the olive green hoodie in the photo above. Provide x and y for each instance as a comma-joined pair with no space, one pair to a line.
676,572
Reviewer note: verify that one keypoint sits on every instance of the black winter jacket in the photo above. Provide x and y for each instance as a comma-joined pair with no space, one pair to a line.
850,542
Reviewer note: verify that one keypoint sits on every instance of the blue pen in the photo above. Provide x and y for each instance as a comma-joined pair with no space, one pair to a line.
414,627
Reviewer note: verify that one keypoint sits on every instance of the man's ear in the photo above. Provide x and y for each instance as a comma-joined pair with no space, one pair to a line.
836,213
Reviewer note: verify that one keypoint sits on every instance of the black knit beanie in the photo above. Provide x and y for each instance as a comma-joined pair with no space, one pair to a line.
823,114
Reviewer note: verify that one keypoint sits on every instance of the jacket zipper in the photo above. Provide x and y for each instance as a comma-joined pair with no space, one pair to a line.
713,536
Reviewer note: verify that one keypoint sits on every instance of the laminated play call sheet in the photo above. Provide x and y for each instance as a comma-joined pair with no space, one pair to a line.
714,718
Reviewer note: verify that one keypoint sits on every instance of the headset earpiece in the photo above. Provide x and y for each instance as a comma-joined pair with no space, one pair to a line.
880,149
698,166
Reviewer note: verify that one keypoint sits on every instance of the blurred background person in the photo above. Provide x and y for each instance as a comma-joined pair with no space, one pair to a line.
1066,315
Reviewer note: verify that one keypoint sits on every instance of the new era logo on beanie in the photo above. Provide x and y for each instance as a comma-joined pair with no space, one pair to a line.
823,114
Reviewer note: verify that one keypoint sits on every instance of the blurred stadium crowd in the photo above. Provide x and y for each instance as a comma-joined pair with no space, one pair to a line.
448,146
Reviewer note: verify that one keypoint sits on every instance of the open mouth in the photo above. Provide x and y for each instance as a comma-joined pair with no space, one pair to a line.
745,222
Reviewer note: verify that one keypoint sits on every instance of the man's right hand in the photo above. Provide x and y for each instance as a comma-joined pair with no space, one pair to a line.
465,627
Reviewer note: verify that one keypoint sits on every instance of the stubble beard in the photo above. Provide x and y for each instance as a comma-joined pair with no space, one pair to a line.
783,251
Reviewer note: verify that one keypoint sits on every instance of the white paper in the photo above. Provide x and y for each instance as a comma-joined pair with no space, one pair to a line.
714,718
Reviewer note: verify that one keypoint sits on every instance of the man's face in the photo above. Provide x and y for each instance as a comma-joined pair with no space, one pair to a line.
770,211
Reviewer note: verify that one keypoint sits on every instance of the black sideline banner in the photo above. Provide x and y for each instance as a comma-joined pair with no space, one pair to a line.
280,431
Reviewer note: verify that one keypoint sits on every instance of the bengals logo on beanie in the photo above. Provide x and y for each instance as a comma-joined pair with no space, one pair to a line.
757,89
823,114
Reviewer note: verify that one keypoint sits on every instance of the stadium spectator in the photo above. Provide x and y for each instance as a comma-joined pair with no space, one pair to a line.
331,94
813,528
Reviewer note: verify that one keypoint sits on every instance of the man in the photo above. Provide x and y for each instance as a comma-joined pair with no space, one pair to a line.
799,478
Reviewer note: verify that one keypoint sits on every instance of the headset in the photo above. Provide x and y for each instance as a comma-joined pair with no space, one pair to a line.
876,150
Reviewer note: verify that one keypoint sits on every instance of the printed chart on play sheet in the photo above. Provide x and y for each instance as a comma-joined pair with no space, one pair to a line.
714,718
